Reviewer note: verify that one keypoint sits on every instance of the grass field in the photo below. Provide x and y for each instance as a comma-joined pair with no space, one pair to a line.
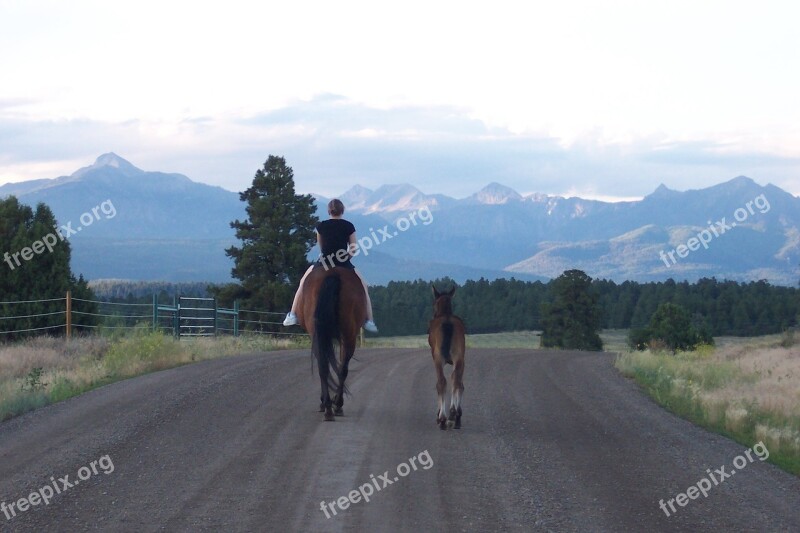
614,340
511,339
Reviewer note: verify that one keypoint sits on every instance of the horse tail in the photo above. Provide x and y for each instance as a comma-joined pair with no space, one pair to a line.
447,339
326,327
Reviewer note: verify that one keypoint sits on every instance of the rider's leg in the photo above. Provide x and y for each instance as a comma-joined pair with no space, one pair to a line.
366,292
291,317
299,294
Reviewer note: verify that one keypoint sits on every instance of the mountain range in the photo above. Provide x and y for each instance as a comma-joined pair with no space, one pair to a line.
168,227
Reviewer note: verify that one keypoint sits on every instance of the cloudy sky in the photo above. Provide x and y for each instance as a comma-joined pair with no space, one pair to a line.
596,99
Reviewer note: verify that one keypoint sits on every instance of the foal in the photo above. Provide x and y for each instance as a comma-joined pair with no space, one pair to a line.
446,339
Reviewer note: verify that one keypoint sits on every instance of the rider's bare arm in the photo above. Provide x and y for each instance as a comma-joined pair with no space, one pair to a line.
352,245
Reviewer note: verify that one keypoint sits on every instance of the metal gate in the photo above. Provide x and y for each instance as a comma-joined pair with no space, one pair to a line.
197,317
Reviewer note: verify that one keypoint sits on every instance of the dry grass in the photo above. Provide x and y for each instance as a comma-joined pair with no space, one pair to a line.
747,390
771,379
17,360
44,370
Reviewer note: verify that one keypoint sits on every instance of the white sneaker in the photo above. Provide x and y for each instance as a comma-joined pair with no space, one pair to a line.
370,326
290,320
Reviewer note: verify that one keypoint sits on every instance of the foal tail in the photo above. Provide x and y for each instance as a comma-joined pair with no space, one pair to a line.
326,328
447,339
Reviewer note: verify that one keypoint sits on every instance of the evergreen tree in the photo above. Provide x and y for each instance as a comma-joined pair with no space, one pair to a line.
671,325
572,321
44,275
276,238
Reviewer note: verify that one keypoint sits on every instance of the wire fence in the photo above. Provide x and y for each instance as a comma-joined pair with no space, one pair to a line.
183,317
24,317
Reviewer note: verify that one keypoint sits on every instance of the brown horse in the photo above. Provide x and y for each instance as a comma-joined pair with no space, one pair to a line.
334,308
447,342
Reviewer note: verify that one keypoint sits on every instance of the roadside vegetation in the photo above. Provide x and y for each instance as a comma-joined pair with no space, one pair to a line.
44,370
746,390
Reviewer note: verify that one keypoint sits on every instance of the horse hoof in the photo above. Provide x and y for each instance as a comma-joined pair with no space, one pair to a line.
457,424
329,417
339,411
452,414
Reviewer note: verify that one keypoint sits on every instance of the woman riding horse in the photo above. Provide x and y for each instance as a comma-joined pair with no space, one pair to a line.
332,304
336,238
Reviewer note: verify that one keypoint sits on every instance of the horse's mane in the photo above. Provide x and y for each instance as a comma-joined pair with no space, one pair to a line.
443,306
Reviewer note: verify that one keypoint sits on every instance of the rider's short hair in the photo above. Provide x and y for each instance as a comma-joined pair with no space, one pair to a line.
336,207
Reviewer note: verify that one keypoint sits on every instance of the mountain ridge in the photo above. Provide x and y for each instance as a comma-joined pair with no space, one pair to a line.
170,227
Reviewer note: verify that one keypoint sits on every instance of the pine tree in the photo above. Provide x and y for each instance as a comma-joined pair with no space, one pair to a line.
671,325
573,320
276,238
44,275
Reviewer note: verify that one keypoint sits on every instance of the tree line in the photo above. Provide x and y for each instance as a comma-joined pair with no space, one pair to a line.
719,307
404,307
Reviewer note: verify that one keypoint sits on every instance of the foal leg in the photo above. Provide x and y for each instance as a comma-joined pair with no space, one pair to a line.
441,387
458,390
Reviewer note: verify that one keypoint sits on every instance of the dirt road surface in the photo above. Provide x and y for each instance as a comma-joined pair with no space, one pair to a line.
551,441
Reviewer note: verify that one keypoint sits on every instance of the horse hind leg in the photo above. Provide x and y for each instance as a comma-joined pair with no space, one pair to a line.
441,388
458,390
325,400
338,403
325,396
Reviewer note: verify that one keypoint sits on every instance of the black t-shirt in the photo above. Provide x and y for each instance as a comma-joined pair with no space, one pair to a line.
334,236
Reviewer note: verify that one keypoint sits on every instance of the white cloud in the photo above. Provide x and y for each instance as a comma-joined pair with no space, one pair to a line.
333,143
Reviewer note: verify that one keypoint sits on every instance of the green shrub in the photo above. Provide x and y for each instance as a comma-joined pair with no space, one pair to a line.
670,327
139,351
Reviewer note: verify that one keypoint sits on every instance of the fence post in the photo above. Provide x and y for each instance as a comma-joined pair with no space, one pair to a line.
236,318
155,312
176,318
216,317
69,314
